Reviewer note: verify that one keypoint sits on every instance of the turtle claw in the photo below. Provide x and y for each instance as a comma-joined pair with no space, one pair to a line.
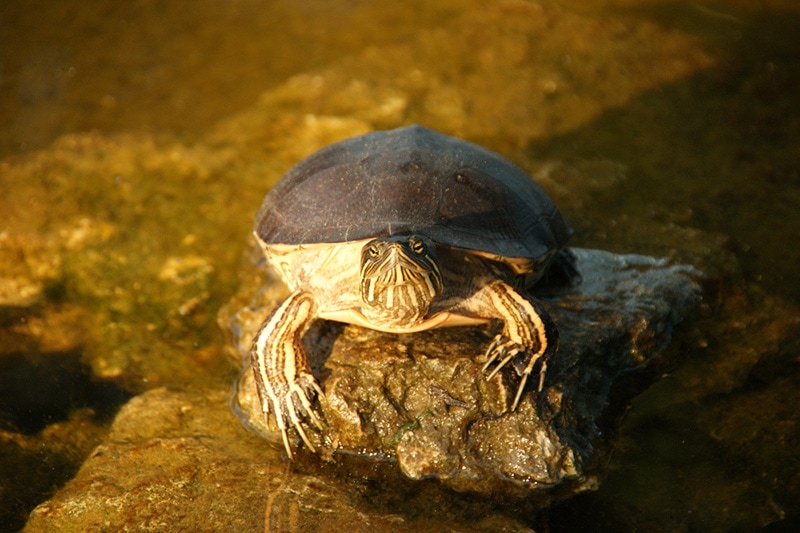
504,350
501,351
292,407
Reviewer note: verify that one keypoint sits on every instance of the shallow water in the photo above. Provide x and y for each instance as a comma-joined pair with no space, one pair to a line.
137,140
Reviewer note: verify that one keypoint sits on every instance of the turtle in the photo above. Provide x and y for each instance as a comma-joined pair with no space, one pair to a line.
402,231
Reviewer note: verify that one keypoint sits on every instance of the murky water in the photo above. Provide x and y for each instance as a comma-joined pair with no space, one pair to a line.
137,140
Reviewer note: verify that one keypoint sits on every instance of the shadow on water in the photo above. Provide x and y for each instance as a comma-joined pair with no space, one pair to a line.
52,412
717,151
39,390
720,148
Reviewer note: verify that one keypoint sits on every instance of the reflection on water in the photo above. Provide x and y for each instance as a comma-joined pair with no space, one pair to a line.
119,246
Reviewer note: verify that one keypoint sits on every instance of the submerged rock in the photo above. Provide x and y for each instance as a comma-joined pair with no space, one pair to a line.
177,461
422,400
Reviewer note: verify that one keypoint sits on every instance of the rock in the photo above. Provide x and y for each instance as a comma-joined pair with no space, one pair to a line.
422,399
178,461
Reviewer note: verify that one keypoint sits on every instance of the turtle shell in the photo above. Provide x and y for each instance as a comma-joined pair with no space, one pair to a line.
412,180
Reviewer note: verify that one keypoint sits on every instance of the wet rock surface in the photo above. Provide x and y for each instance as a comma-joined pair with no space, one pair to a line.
422,400
178,461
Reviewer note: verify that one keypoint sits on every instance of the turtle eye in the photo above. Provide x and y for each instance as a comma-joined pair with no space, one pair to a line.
373,251
416,246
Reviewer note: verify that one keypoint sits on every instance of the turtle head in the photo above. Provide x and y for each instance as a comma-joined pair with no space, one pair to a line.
399,280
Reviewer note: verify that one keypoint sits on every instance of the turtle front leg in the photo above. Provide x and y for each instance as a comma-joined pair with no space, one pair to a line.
529,335
283,376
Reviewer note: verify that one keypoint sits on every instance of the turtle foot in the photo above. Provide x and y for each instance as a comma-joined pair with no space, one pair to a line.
503,351
293,407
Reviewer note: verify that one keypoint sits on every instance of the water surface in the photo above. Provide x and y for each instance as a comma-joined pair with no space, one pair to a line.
136,150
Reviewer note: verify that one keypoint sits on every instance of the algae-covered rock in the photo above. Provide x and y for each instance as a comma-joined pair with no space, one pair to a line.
422,399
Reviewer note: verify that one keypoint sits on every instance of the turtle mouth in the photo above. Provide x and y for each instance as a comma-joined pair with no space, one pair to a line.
399,280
